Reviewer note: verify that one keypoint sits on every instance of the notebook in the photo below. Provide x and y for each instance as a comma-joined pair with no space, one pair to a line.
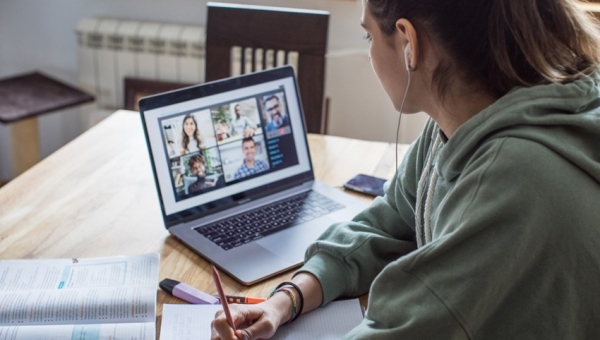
233,173
332,322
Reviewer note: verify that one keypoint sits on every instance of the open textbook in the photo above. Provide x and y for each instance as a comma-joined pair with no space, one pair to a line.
192,322
79,299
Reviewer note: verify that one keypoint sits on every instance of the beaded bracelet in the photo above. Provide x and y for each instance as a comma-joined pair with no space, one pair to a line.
291,295
288,283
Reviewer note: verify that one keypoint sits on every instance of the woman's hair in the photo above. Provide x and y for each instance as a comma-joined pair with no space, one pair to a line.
185,138
500,44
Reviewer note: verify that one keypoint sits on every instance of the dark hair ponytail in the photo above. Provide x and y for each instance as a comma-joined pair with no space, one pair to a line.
542,42
500,44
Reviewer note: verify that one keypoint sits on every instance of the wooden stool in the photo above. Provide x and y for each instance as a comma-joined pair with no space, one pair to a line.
22,99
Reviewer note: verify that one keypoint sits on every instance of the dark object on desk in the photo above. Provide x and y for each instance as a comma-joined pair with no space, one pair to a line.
272,29
366,184
137,88
34,94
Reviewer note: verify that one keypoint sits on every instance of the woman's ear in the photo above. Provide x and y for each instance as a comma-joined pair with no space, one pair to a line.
407,36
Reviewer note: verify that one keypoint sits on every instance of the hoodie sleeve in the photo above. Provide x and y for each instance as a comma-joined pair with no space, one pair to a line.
512,255
348,256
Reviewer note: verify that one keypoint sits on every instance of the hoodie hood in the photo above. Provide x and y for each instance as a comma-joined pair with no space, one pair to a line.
563,117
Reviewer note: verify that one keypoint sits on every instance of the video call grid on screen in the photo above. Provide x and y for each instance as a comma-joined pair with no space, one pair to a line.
220,142
282,152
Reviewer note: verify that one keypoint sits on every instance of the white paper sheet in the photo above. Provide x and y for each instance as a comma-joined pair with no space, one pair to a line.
191,322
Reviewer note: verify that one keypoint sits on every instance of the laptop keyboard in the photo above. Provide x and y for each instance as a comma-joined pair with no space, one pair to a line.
255,224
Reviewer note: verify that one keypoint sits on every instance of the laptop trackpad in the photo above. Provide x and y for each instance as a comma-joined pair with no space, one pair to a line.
291,243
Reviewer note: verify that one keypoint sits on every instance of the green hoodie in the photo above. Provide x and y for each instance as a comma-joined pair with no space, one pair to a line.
502,240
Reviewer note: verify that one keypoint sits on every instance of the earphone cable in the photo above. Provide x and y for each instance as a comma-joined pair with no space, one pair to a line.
400,118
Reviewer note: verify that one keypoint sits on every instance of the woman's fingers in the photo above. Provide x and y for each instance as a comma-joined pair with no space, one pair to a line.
221,330
260,324
253,322
262,329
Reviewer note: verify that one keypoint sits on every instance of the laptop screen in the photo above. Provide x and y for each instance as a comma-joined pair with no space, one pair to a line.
218,144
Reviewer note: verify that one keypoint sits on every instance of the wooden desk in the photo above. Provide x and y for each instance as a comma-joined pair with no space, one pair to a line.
96,197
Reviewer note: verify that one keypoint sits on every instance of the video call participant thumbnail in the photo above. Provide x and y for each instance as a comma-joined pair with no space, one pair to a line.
250,164
273,109
191,140
197,166
242,125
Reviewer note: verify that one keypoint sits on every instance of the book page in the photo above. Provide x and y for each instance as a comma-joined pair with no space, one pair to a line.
78,291
121,331
190,322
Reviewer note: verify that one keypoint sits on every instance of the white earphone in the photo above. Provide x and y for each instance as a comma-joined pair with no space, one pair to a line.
407,50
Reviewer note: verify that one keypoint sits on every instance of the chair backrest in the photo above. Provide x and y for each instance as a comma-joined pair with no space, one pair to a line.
136,88
267,31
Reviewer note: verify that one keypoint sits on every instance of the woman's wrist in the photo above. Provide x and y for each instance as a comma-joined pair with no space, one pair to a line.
295,294
282,305
282,301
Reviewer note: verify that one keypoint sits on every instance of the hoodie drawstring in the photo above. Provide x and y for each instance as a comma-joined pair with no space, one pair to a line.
423,231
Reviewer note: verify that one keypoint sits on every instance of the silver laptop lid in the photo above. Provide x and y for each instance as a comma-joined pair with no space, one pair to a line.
217,145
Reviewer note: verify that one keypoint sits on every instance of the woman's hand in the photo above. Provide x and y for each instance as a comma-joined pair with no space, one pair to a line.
258,321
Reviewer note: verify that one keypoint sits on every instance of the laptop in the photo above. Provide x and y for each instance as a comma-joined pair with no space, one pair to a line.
234,176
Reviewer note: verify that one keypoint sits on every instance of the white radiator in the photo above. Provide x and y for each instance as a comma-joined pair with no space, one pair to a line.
111,49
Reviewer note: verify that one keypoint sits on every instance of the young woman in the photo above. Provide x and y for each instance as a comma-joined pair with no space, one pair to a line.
190,136
490,228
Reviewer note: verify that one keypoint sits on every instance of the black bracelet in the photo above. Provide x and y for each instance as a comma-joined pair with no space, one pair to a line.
288,283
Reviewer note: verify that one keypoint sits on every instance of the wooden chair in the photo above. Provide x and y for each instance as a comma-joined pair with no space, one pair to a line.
136,88
267,32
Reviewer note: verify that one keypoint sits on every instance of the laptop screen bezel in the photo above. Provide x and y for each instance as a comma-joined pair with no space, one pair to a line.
210,89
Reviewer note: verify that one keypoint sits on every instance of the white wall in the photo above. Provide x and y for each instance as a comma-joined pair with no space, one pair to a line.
40,35
359,106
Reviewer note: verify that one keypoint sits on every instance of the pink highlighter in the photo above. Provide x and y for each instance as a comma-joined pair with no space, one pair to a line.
187,293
